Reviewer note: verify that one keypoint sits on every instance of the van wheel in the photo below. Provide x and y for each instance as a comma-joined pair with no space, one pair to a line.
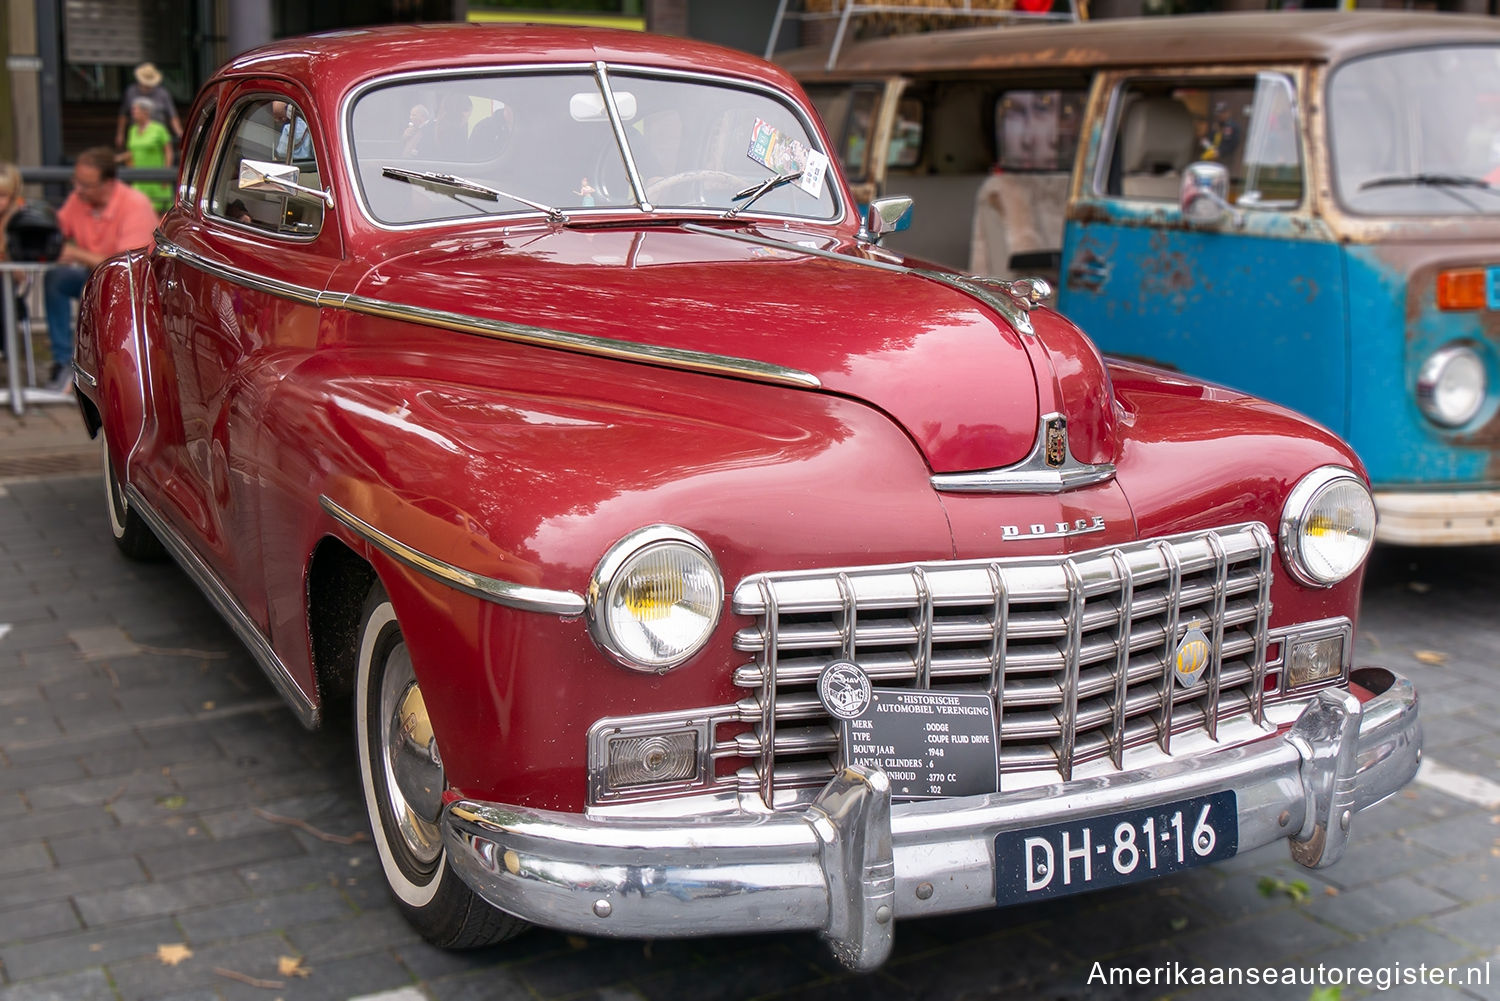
132,534
402,776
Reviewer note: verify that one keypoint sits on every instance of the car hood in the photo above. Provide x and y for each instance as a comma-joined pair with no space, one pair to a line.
947,367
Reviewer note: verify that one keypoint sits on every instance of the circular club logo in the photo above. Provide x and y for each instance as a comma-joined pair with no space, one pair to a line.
844,689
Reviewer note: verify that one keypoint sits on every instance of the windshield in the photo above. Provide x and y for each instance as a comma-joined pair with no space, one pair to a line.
530,143
1418,132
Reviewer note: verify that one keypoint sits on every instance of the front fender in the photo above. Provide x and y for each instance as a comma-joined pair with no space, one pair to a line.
110,351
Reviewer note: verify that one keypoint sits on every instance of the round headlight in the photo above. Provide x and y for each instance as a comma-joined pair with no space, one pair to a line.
655,598
1451,385
1327,526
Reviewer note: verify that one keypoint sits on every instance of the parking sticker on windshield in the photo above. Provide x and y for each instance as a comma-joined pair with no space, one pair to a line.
771,149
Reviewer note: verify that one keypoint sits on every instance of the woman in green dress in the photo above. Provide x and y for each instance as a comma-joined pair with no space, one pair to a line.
149,144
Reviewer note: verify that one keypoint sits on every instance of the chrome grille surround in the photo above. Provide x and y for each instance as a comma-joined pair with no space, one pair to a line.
1075,680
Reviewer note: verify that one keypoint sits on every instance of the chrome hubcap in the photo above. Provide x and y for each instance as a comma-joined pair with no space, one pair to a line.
413,770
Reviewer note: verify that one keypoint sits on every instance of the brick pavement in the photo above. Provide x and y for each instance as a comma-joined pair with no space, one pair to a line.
153,791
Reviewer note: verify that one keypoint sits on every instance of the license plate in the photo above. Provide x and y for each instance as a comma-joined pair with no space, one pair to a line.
1114,849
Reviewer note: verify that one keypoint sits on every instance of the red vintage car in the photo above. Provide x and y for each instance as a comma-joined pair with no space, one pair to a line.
693,564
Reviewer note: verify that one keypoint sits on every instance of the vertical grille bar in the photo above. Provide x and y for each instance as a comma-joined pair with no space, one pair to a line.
849,627
1001,626
1070,671
1216,641
768,696
1169,647
1122,660
1262,622
924,628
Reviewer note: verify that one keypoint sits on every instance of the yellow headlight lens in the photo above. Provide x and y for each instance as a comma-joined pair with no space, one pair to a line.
657,596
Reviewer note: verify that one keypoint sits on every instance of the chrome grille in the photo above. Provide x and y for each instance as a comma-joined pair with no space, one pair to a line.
1077,651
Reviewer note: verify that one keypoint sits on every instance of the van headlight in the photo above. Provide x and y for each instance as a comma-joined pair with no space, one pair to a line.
1327,526
655,598
1451,385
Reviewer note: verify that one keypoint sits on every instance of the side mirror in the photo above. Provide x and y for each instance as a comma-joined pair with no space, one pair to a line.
887,215
265,175
1203,196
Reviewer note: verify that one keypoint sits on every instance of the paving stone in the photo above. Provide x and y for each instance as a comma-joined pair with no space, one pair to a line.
73,747
374,975
91,947
99,791
70,881
1459,837
24,858
173,832
263,914
210,855
150,979
1373,907
156,899
368,932
51,917
84,985
1376,859
1478,925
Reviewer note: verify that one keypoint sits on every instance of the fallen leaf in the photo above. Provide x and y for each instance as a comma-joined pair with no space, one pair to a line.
171,955
578,942
1419,586
1178,924
207,706
1330,891
1431,656
291,966
172,802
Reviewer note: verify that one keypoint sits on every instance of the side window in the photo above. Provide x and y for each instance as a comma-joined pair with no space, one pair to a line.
1037,130
197,144
849,115
906,135
275,130
1249,124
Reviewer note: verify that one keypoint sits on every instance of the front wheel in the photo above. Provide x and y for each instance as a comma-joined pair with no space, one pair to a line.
402,775
132,535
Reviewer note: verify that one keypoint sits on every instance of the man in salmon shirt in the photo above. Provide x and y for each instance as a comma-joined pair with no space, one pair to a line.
101,218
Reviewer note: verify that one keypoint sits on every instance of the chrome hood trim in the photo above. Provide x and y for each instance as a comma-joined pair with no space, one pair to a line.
1032,475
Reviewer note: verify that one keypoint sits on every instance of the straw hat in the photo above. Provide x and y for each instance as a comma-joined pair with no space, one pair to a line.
147,75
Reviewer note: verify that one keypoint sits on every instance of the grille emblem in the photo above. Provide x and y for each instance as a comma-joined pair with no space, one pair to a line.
1192,655
844,689
1057,441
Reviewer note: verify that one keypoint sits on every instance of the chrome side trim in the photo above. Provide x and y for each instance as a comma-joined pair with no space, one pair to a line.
87,378
224,603
501,592
632,351
1030,475
286,290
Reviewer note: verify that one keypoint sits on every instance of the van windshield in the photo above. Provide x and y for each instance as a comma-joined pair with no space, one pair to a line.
1418,132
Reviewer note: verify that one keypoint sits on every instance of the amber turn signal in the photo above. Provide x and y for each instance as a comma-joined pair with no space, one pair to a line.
1462,288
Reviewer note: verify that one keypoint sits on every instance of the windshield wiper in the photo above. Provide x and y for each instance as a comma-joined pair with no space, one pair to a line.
1428,180
754,192
449,184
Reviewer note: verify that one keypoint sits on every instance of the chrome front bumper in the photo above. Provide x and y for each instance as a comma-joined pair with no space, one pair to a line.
851,863
1438,517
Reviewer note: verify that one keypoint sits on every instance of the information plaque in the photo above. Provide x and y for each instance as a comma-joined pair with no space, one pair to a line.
930,744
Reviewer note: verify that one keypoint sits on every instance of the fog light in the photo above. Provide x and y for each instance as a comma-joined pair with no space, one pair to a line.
652,759
1315,660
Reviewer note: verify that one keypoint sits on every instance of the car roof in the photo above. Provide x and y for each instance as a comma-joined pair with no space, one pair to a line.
1185,40
338,60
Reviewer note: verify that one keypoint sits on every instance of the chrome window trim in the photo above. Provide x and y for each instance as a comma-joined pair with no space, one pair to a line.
205,196
346,117
502,592
632,351
1030,475
233,613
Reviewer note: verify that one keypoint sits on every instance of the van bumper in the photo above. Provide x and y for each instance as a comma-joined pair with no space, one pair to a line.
1438,517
